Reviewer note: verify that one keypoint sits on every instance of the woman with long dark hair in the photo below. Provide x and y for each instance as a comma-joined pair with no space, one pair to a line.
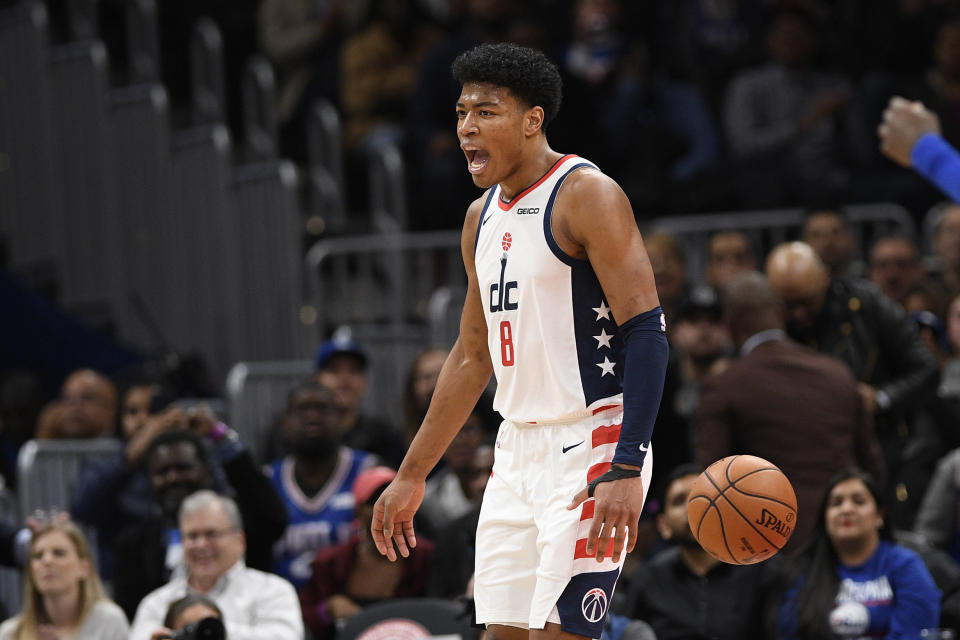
852,580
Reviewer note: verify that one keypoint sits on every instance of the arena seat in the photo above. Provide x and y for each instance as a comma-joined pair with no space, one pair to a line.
257,394
411,618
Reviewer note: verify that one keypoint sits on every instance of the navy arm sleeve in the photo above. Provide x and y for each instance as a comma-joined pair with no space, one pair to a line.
646,352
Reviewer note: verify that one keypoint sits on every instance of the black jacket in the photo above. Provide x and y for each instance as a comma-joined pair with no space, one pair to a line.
140,549
874,336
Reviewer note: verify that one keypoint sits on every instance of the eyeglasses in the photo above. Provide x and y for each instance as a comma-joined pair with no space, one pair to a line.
210,535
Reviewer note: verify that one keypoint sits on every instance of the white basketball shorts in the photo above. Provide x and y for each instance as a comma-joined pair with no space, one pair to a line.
531,565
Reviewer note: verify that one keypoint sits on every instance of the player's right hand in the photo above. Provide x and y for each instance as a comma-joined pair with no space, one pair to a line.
393,517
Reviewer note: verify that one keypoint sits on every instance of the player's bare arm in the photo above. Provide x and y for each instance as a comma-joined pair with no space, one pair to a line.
463,378
594,221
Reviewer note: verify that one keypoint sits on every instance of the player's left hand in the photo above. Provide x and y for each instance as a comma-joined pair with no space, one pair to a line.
616,513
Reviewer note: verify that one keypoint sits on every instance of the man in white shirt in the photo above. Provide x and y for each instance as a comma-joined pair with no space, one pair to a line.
255,604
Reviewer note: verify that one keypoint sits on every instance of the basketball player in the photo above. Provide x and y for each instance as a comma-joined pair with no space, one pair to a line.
562,307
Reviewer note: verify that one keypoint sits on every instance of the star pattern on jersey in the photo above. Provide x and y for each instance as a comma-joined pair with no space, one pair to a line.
603,340
606,366
603,311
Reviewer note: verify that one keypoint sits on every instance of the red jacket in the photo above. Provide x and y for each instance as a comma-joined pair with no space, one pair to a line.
331,569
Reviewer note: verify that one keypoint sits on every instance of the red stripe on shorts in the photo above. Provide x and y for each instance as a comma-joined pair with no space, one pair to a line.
586,512
606,435
581,549
597,470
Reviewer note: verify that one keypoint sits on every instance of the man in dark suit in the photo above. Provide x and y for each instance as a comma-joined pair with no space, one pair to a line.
783,402
852,320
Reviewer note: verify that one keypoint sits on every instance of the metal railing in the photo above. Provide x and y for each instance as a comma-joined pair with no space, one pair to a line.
380,278
768,228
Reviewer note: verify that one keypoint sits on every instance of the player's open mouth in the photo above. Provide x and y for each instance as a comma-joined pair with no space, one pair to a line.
476,160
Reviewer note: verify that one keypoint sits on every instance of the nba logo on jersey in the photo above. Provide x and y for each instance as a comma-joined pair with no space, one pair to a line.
594,605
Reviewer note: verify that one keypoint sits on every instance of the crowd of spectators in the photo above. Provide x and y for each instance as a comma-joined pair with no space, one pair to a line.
701,105
818,355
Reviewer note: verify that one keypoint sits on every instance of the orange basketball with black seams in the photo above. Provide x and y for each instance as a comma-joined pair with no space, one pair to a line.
742,509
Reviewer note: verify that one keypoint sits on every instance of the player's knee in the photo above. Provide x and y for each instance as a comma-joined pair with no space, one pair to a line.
505,632
552,631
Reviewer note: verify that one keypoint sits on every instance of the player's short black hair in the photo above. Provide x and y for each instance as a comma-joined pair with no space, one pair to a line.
526,72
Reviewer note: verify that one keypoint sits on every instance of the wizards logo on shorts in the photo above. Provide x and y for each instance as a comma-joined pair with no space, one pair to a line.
503,294
584,603
594,605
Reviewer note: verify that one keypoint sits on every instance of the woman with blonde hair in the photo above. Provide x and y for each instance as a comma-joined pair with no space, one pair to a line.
63,596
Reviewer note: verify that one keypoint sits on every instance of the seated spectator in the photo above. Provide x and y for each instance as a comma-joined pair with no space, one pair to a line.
87,408
828,232
421,380
937,517
894,266
852,320
302,39
191,609
669,263
852,580
684,592
349,576
63,595
667,158
314,480
378,72
147,553
783,402
341,365
454,559
703,345
729,253
783,119
946,246
255,605
941,406
950,380
112,494
450,493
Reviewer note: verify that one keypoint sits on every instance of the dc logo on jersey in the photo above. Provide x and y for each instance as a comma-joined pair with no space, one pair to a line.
503,293
594,605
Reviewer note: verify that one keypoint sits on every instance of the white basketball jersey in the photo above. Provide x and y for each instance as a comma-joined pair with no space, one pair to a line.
552,338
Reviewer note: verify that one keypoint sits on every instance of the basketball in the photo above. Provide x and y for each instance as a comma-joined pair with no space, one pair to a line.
742,509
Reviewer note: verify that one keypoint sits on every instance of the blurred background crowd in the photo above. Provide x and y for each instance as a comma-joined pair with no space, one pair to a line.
229,275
